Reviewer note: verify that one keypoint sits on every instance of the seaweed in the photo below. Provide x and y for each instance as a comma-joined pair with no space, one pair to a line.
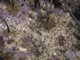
77,34
74,11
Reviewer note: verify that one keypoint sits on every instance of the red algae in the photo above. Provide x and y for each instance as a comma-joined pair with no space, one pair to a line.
26,39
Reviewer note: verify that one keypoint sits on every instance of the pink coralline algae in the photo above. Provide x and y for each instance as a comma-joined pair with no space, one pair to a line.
29,54
1,11
59,11
5,38
35,17
11,50
20,15
1,14
21,55
24,10
26,39
0,33
20,2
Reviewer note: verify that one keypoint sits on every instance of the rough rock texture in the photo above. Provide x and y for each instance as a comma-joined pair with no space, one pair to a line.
30,40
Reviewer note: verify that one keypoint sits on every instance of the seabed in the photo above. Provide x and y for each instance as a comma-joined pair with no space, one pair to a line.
29,39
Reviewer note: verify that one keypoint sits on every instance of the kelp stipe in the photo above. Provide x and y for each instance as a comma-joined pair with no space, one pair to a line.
74,12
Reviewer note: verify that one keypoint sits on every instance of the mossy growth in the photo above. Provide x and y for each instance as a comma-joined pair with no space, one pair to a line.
13,10
61,40
47,24
5,56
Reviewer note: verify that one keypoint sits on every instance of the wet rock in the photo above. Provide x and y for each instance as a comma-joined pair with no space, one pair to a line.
78,54
70,54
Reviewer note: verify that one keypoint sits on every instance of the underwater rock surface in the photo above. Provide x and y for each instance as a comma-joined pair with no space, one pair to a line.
29,39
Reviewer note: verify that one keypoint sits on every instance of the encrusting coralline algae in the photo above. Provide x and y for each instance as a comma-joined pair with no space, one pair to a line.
32,38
